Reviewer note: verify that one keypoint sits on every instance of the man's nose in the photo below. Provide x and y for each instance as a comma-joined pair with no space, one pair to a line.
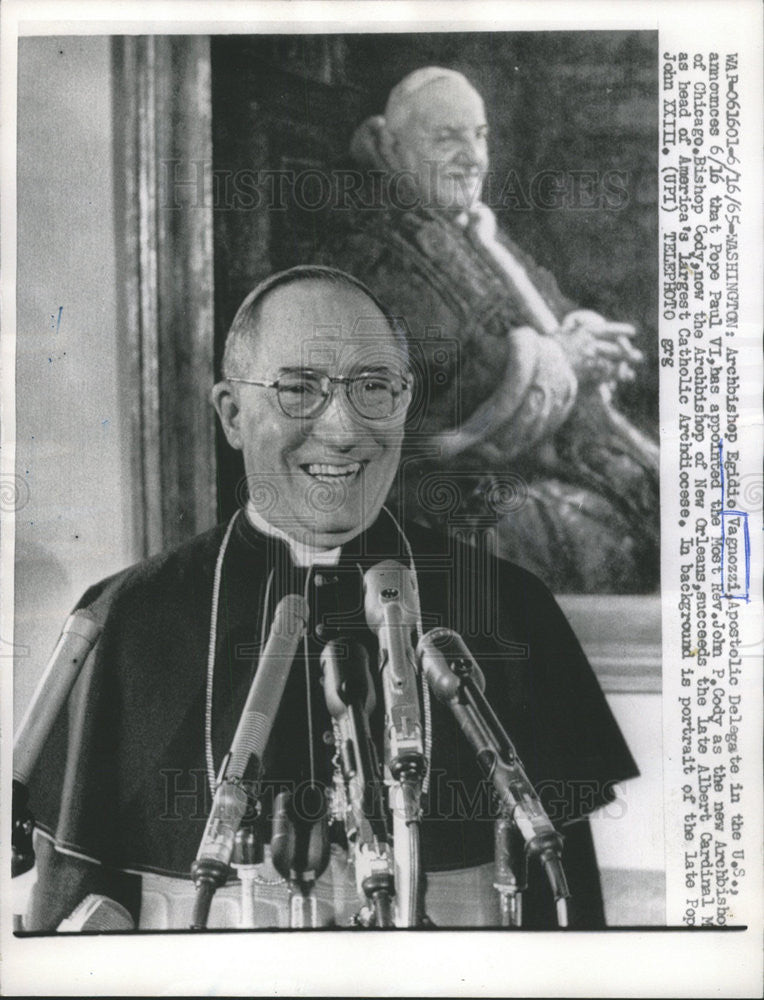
338,425
473,151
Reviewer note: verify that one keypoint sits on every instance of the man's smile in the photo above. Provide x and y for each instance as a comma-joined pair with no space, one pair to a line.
333,472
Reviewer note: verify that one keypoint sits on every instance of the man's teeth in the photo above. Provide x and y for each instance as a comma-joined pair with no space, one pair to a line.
333,471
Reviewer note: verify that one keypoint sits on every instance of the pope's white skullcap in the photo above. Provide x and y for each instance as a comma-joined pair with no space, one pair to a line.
397,107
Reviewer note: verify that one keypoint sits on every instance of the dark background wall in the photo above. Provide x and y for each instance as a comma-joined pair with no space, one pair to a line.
571,104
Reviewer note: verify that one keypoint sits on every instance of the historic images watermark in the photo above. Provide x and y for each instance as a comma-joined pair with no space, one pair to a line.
197,184
186,796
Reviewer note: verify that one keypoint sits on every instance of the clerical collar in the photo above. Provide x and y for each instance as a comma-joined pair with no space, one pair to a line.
302,554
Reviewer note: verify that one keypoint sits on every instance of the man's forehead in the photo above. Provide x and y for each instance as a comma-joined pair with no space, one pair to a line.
309,321
309,305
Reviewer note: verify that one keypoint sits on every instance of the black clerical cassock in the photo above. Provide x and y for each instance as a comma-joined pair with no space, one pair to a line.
124,778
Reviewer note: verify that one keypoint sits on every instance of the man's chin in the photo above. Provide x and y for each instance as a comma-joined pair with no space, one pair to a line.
330,533
458,201
330,537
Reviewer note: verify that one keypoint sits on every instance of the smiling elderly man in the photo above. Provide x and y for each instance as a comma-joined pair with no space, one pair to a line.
522,383
315,393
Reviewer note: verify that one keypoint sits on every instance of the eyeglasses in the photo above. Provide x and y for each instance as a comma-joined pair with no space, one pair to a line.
305,394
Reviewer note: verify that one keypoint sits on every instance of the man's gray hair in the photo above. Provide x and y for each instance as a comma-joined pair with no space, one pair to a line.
398,104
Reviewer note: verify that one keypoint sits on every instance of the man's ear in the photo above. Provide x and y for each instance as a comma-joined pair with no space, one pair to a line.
226,402
387,145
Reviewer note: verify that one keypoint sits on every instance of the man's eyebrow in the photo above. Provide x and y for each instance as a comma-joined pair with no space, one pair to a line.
299,370
460,129
355,371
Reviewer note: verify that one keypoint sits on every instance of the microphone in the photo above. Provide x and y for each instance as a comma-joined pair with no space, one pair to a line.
98,913
78,636
391,605
300,850
211,868
458,682
350,698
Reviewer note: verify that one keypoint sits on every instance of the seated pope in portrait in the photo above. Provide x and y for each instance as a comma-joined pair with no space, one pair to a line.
521,438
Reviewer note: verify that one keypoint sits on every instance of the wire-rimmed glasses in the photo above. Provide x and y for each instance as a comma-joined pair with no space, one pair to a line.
305,394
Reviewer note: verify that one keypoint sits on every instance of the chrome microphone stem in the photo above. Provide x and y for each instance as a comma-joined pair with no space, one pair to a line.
404,758
404,791
391,611
248,877
404,747
303,906
350,698
510,870
405,804
458,682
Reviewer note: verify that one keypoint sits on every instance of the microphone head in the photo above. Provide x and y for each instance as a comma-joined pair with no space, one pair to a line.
445,660
290,617
346,678
300,846
98,913
390,582
83,623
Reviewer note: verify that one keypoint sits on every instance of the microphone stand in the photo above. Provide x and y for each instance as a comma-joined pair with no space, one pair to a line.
457,680
387,598
211,868
246,859
350,698
511,869
234,792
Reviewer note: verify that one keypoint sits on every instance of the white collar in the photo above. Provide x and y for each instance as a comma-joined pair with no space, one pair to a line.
302,553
